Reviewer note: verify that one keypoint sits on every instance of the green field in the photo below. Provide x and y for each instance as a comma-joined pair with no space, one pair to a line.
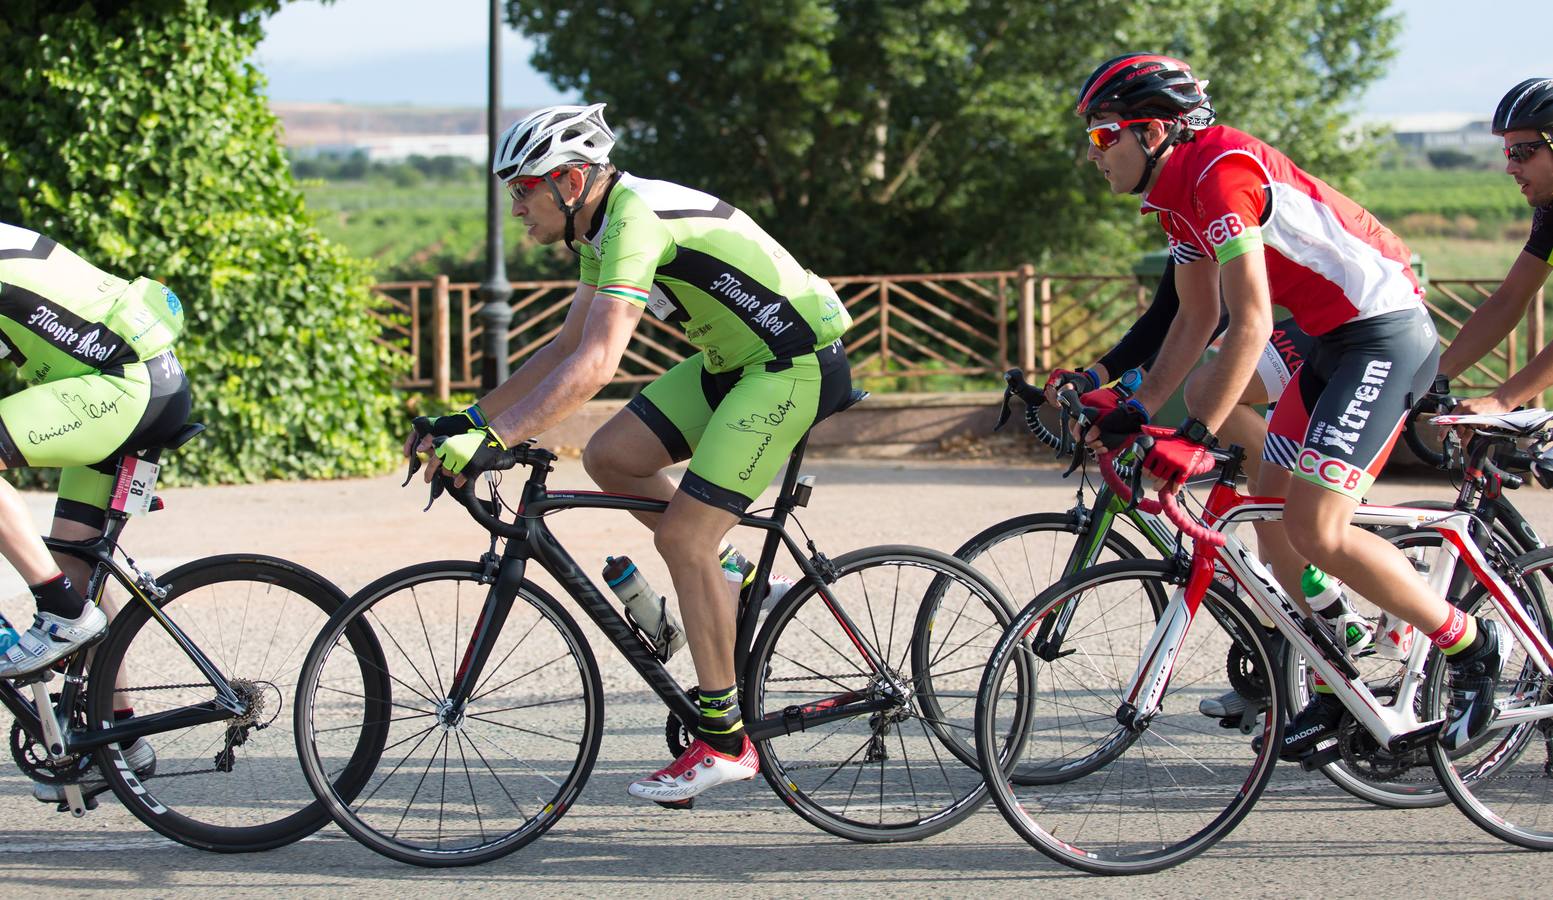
1464,223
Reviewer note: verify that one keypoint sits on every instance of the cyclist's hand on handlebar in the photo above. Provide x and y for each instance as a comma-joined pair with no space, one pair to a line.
1083,382
468,455
1117,427
426,429
1181,455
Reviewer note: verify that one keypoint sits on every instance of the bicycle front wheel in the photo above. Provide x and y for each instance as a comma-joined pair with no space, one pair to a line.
235,784
1022,557
1503,780
1170,786
902,768
451,784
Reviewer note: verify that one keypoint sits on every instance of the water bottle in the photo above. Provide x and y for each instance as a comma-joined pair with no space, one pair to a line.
1325,595
645,607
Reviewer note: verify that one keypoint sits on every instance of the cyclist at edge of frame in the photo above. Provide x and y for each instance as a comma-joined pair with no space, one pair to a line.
96,353
770,365
1243,220
1524,119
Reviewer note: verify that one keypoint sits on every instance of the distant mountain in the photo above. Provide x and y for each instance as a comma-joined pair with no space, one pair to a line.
339,124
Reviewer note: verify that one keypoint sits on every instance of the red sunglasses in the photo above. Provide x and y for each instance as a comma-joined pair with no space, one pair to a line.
524,185
1106,135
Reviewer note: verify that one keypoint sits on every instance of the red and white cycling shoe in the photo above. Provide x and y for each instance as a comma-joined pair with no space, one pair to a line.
697,769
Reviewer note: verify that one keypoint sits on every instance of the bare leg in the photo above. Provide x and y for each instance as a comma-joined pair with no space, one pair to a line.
625,457
688,537
1321,529
19,541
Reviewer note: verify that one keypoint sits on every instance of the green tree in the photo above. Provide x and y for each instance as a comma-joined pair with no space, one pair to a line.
914,135
148,147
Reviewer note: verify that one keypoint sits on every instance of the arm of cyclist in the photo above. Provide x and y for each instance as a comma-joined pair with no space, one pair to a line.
1518,389
1197,285
1489,323
570,383
1136,349
519,384
1249,299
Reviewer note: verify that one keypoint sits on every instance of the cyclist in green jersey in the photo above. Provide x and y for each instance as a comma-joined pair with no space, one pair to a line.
96,353
770,364
1525,120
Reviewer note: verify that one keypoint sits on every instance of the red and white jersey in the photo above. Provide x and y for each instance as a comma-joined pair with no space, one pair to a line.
1329,261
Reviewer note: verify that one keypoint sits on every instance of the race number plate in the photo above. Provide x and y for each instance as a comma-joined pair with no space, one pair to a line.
135,488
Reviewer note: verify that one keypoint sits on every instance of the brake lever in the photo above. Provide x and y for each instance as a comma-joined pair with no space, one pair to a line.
438,488
1006,411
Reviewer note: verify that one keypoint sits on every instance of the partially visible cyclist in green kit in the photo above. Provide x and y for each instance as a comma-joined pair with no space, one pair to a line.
95,351
770,365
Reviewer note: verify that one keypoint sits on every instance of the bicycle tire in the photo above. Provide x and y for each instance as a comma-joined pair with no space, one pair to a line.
855,777
1060,682
1481,777
206,810
1104,827
559,746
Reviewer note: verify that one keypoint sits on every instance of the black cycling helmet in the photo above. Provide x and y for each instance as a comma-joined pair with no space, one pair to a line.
1528,106
1141,85
1147,86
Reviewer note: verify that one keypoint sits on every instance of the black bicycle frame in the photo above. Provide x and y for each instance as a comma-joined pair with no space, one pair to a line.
98,552
535,541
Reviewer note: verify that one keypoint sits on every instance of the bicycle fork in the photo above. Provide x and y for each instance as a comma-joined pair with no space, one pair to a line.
1152,677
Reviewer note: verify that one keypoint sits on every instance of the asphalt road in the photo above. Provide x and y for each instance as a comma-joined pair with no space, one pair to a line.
1305,838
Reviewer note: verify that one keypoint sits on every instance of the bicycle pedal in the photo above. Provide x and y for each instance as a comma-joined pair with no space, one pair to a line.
687,803
89,804
1319,757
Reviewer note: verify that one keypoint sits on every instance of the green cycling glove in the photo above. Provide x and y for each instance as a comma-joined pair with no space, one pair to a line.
471,452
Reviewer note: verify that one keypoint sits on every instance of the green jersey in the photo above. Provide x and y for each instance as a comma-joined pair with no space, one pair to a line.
692,259
61,317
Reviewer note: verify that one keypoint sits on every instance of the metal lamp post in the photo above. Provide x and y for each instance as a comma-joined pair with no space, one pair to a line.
495,311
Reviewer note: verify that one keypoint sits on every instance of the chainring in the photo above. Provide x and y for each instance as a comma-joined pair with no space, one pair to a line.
33,759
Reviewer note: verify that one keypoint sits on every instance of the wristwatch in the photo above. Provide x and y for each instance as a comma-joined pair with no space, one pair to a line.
1195,431
1131,380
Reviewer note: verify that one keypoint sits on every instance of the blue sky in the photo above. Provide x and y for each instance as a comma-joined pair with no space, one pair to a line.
1454,56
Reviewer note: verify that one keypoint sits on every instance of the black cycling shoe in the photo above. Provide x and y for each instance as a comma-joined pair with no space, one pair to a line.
1311,725
1474,677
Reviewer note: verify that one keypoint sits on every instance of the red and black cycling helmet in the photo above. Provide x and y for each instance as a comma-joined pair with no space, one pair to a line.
1148,86
1142,85
1528,106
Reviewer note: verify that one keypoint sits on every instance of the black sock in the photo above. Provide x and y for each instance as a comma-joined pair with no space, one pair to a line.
120,715
720,725
58,597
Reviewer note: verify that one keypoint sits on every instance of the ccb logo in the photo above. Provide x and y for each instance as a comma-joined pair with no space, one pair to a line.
1225,228
1331,471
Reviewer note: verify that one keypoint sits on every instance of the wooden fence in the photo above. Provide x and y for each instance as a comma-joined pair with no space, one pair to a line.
908,327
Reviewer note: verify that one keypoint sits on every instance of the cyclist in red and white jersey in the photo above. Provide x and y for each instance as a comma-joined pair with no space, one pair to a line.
1525,120
1244,220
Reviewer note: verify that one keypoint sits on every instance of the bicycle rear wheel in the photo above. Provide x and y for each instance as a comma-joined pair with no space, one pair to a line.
1503,780
235,784
1168,790
904,768
447,786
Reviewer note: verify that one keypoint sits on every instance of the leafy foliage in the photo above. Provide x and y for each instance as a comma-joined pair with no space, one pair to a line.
921,135
149,149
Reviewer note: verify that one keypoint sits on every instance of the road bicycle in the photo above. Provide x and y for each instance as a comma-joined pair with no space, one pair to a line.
1171,788
496,707
200,664
1024,555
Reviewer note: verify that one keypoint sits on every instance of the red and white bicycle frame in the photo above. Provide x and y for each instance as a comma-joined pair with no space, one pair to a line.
1393,724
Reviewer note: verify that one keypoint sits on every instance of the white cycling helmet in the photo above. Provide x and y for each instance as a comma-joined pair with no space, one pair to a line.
553,137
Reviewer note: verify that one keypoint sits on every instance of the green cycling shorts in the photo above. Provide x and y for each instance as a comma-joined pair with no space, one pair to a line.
82,424
737,428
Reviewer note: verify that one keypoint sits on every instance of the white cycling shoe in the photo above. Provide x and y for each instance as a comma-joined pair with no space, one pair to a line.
697,769
50,639
140,757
